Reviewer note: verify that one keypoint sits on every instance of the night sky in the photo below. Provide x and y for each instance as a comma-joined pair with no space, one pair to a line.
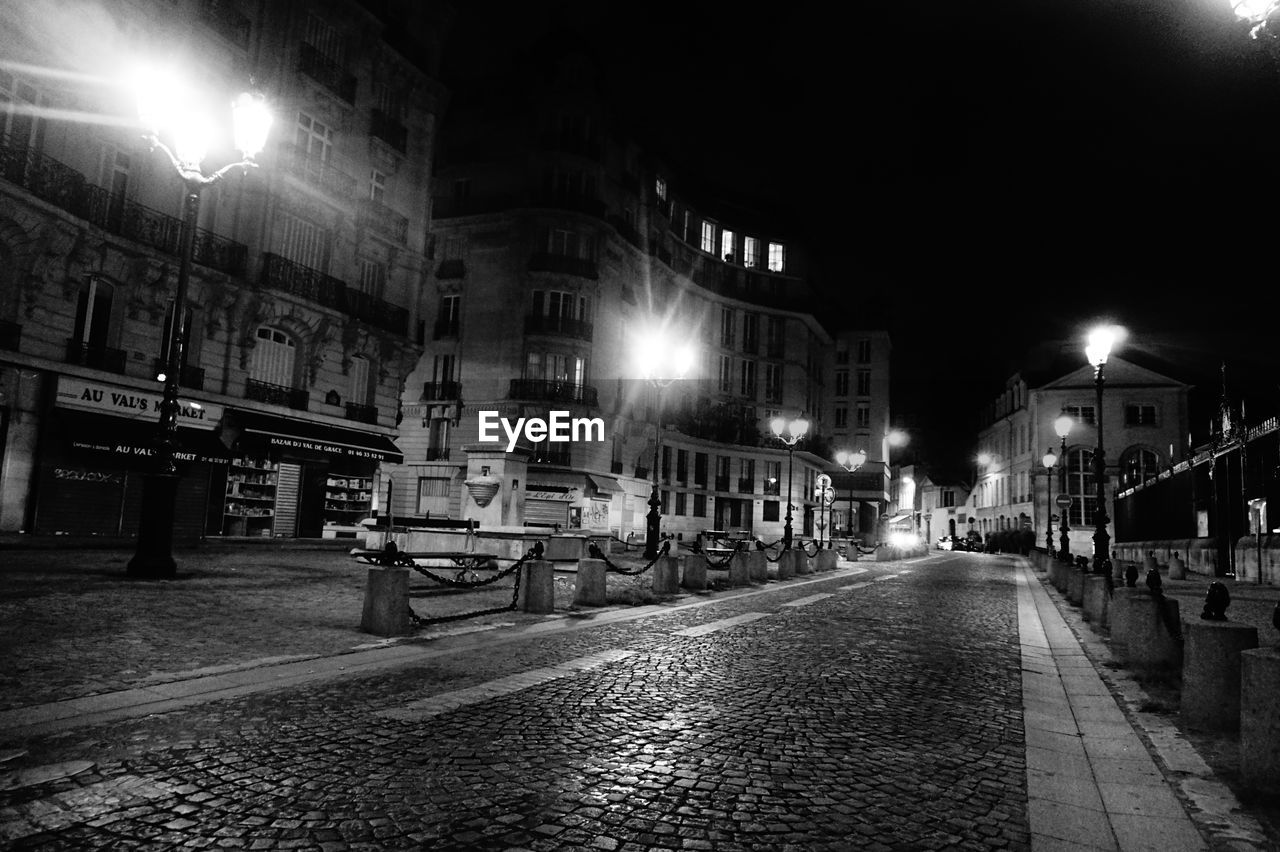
974,177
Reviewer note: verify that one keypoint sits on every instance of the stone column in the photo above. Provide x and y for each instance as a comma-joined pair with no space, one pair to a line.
589,589
537,587
487,465
1095,600
386,602
1260,717
1211,673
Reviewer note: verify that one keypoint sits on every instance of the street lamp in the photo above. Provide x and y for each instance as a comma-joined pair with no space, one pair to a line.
851,462
168,111
1049,461
789,432
825,496
660,362
1062,426
1099,347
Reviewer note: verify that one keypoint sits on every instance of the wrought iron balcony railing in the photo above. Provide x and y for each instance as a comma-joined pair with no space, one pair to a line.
318,172
362,413
281,274
564,326
547,262
722,483
437,453
295,398
389,130
98,357
535,389
380,217
190,376
441,391
10,335
544,453
326,72
745,486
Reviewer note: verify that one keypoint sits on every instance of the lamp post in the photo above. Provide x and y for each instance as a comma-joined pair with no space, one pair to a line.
168,112
660,362
825,495
1099,347
1062,426
851,462
789,432
1049,461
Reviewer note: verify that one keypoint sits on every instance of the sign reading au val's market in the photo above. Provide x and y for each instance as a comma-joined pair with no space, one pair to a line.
87,395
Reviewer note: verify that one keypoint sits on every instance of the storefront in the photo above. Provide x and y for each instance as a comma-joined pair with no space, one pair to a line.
571,501
97,443
296,478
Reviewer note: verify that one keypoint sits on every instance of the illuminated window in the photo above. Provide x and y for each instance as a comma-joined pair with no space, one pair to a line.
1082,414
708,237
726,244
776,257
660,187
1137,466
750,252
1081,488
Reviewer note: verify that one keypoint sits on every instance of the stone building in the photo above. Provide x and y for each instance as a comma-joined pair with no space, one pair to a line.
303,312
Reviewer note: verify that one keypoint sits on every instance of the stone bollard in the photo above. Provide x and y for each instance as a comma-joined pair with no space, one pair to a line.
739,569
1119,614
1177,568
1148,645
1095,600
693,575
1211,673
1260,717
537,587
802,563
757,565
386,602
1062,576
1149,562
589,589
1075,585
786,565
666,575
1055,573
825,560
884,553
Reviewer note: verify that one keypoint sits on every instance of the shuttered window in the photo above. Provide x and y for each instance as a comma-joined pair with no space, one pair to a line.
273,358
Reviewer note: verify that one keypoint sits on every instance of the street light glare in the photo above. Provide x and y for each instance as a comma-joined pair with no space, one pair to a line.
1100,342
1254,11
252,121
1063,425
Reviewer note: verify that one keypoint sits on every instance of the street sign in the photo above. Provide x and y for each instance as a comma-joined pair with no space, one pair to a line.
1063,501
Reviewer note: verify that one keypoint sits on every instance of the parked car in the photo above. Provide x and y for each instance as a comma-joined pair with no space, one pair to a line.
953,542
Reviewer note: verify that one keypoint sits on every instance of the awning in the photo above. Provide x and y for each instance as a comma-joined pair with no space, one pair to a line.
897,519
605,484
289,433
128,438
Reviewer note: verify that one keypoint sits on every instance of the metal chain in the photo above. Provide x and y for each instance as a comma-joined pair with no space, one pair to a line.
597,553
533,552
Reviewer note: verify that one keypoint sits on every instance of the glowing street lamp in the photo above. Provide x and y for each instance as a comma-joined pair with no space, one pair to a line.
851,462
1099,347
164,109
1062,426
789,432
1049,461
659,361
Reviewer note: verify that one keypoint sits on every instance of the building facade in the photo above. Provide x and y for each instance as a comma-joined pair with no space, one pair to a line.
1144,427
303,311
562,249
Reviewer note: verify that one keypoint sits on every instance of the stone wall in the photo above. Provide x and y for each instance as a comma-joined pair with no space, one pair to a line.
1201,555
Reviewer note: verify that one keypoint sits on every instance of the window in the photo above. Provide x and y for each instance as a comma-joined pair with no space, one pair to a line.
948,498
1082,414
863,351
324,38
555,367
660,187
373,277
444,368
864,383
727,244
1080,487
312,139
1137,466
726,374
769,511
20,125
438,439
746,476
773,383
449,317
681,497
750,333
699,505
700,469
709,237
842,357
728,327
842,382
722,473
863,414
773,337
377,186
682,466
433,494
93,314
772,477
561,304
750,252
358,381
749,379
273,358
1139,415
304,242
842,417
666,502
776,257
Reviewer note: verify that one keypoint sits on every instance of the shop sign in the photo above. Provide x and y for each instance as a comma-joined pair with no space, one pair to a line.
322,447
568,496
132,403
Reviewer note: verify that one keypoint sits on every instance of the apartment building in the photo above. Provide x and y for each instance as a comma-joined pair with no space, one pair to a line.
303,311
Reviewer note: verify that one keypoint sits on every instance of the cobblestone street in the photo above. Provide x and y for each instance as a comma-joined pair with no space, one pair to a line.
874,710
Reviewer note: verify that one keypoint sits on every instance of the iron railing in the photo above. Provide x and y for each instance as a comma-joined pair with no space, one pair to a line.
722,483
544,453
441,391
437,453
295,398
98,357
362,413
279,273
326,72
556,324
545,391
380,217
318,172
189,376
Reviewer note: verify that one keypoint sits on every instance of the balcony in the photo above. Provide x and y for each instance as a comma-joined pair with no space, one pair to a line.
226,22
362,413
547,262
10,335
745,486
615,467
294,398
326,72
453,267
558,325
544,453
437,454
626,231
441,391
189,376
98,357
543,391
318,172
722,483
315,286
379,217
570,201
772,488
642,472
389,130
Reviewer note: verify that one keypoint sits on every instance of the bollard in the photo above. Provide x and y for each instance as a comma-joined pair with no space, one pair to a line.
666,575
386,602
1260,717
802,564
1149,646
1075,586
884,553
739,569
1096,596
1149,562
757,565
1119,566
825,560
1055,574
537,587
786,565
1119,615
1211,673
589,588
693,573
1177,568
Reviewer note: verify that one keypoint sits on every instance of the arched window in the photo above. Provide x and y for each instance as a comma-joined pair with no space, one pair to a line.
1081,487
1137,465
274,357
